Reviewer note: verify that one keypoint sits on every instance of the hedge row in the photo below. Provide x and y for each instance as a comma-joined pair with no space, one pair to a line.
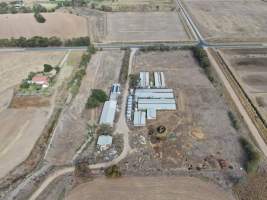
38,41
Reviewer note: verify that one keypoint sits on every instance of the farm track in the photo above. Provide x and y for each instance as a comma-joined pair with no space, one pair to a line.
244,99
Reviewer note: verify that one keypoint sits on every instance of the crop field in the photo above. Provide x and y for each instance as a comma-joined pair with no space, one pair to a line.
71,131
138,27
62,25
237,20
250,68
147,188
199,134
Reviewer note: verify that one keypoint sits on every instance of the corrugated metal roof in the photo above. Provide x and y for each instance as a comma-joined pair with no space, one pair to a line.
157,106
144,79
155,90
108,113
162,80
139,118
156,101
104,140
155,95
151,113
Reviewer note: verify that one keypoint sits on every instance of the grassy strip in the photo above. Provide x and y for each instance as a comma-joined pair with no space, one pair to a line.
252,156
203,60
76,80
124,67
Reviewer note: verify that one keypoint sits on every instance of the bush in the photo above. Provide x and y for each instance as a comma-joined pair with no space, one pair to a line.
81,41
24,84
113,172
47,68
39,17
233,120
96,98
124,67
54,41
133,80
252,156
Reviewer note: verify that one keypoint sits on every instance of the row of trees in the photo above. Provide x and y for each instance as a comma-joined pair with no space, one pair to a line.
38,41
6,8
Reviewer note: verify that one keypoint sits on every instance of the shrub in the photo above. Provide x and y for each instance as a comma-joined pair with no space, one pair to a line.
99,95
39,17
113,172
233,120
252,156
47,68
96,98
133,80
203,60
124,67
24,84
80,41
54,41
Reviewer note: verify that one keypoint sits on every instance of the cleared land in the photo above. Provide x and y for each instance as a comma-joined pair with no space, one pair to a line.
147,188
62,25
199,136
237,20
71,131
250,68
138,27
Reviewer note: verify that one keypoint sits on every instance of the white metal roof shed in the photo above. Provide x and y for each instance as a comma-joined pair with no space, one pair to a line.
108,113
151,113
139,118
104,140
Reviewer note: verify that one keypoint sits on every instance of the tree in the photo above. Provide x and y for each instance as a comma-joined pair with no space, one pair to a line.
113,172
47,68
39,17
99,95
24,84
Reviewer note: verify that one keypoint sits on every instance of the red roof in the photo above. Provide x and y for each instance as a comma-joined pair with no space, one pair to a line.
40,79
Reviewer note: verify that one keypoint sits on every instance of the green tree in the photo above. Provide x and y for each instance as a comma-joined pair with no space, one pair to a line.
47,68
113,172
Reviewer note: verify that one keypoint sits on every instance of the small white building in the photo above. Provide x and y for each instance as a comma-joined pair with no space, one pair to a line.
108,113
104,142
115,91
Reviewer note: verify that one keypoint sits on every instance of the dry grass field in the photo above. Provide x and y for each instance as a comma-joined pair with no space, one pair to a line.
250,68
237,20
20,128
62,25
138,27
147,188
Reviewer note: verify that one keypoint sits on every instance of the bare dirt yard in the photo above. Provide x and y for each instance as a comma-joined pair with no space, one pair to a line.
147,188
138,27
237,20
58,24
250,68
71,131
199,137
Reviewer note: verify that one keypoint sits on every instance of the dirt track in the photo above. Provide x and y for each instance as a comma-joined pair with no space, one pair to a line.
57,24
148,188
